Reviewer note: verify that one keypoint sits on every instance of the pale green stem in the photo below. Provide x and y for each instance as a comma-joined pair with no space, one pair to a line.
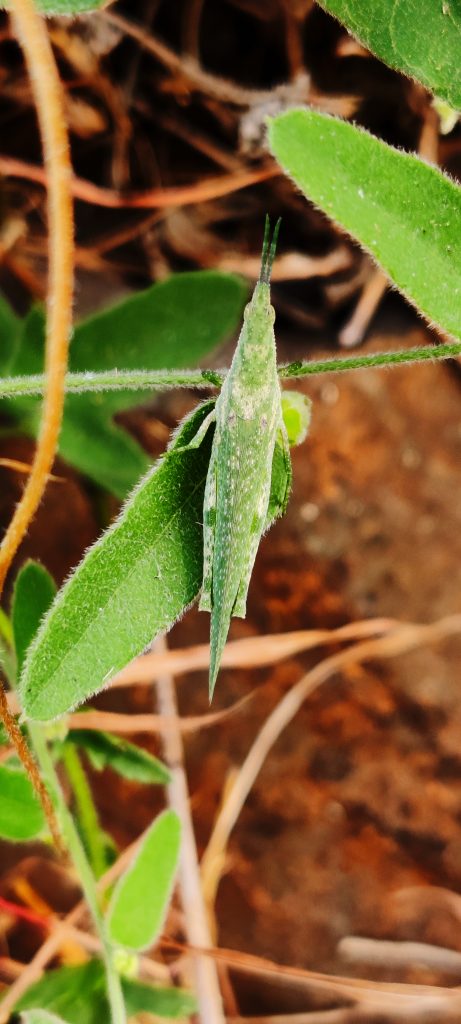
425,353
113,380
80,861
146,380
85,810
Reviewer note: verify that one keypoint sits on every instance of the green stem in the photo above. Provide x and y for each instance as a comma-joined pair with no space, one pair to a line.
147,380
113,380
425,353
79,858
85,809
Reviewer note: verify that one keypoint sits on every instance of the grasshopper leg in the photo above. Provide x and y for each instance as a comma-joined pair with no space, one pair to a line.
240,602
209,516
199,436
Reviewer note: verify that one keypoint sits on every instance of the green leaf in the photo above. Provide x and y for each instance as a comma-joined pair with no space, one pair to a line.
422,38
9,335
41,1017
297,413
171,325
132,584
163,1002
21,816
75,993
98,447
34,590
107,751
402,210
141,896
78,994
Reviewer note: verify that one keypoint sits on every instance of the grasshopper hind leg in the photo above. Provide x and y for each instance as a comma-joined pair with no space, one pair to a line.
209,517
240,604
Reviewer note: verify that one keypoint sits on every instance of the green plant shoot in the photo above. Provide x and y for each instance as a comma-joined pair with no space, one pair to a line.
249,420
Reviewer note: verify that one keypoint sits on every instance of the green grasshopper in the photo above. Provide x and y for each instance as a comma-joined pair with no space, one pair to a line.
249,473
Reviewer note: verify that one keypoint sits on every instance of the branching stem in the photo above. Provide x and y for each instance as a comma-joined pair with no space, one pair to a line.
160,380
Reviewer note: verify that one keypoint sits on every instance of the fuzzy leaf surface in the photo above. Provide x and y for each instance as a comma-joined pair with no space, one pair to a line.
21,816
132,762
132,584
404,212
141,896
422,38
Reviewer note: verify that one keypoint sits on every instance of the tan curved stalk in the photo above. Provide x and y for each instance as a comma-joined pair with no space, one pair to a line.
32,34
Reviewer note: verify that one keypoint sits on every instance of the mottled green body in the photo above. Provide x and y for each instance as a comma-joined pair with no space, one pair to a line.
248,418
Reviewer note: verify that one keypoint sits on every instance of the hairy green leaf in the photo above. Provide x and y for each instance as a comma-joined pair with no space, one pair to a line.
78,994
107,751
141,896
402,210
132,584
21,816
171,325
422,38
34,590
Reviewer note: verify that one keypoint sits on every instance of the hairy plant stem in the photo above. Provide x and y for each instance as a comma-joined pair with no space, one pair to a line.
145,380
422,354
82,867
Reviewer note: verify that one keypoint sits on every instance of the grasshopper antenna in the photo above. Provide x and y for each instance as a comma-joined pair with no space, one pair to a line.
268,250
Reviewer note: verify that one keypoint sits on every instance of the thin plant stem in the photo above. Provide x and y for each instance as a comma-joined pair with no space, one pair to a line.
30,767
422,354
85,809
82,866
160,380
114,380
150,199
